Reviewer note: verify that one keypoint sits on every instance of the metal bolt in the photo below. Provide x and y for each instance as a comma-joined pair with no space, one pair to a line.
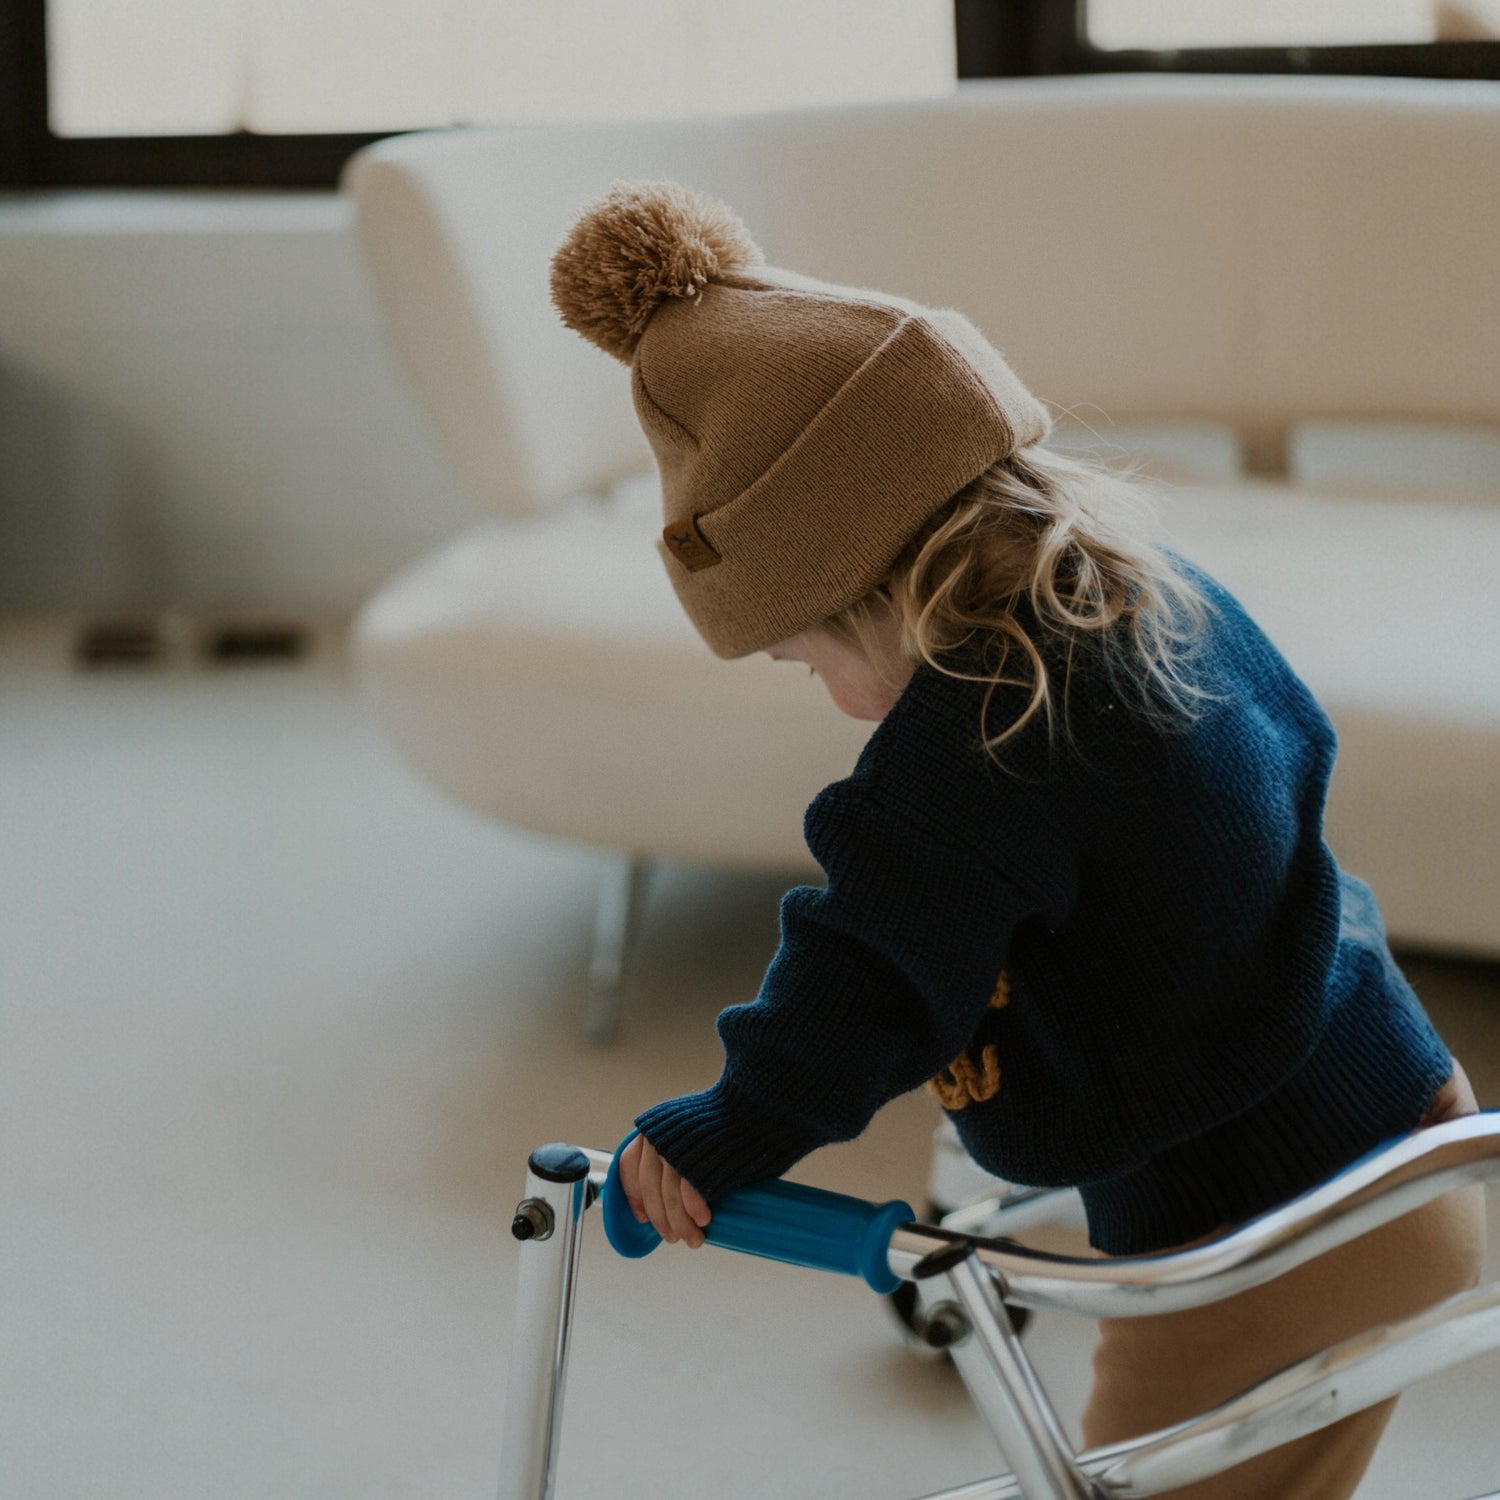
945,1326
533,1220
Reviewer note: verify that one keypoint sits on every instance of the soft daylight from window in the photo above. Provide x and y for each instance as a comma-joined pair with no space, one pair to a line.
1116,24
208,67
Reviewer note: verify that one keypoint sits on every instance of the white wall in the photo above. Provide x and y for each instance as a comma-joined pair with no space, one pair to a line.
197,408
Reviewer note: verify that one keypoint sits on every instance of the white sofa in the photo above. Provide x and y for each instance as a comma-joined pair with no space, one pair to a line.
1283,293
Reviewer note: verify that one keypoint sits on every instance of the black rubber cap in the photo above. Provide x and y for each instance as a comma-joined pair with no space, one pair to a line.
938,1261
559,1163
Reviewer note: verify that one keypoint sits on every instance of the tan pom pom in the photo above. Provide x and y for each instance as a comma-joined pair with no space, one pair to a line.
645,242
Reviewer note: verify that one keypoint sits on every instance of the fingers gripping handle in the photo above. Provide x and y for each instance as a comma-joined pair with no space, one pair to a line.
778,1220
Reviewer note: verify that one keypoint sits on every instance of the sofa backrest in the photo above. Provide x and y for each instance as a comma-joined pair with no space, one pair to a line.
1242,249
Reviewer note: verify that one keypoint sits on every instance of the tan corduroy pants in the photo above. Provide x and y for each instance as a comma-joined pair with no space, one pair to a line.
1153,1371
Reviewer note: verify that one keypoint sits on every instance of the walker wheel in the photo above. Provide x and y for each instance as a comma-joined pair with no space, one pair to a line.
903,1305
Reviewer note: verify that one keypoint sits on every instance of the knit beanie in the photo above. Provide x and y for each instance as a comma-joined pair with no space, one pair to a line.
804,431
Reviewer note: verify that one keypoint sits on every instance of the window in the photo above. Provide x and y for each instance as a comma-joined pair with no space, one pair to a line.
281,92
178,89
1166,25
1394,38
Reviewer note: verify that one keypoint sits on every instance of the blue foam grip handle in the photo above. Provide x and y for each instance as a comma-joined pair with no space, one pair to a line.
777,1220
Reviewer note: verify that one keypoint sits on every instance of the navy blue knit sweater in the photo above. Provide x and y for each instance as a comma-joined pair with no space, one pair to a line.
1128,962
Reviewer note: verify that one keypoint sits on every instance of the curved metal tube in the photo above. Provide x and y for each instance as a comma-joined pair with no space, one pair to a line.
1371,1192
1325,1387
1004,1213
1344,1378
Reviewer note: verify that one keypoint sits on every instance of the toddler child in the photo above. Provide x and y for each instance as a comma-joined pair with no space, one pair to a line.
1076,881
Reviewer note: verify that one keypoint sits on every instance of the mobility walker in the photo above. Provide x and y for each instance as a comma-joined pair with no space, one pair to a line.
970,1280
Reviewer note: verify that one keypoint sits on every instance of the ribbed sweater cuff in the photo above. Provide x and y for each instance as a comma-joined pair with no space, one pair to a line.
719,1139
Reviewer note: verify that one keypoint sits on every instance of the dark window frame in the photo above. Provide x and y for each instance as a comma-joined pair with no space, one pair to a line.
1023,38
32,157
996,39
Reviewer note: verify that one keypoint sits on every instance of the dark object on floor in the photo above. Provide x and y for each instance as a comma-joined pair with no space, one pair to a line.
121,642
903,1304
264,642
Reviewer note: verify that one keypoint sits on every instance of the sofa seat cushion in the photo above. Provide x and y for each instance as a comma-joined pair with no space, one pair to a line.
544,672
1404,458
1389,609
1382,604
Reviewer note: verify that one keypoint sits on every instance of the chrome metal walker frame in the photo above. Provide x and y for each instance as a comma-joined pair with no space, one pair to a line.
966,1274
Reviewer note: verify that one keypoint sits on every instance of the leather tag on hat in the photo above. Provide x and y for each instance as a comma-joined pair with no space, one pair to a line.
689,546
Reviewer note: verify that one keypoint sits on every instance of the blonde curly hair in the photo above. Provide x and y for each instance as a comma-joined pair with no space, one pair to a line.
1070,537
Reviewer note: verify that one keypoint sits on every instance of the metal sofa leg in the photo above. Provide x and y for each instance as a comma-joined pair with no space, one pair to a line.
621,892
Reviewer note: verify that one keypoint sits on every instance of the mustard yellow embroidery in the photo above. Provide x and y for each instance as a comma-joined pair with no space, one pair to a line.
970,1082
969,1085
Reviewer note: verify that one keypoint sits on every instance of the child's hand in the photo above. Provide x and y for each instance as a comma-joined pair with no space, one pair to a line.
657,1191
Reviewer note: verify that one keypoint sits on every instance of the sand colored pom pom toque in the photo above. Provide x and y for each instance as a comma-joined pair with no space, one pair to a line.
803,430
629,252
